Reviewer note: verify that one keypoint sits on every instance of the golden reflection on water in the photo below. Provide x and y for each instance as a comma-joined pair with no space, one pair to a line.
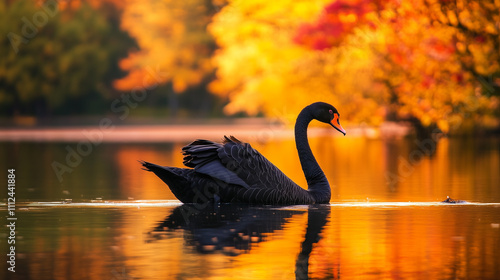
358,169
361,242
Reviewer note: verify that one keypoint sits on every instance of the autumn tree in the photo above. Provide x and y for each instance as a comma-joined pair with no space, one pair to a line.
172,38
262,69
431,79
56,60
476,35
173,43
374,59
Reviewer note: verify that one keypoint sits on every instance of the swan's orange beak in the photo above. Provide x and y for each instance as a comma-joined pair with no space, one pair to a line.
336,123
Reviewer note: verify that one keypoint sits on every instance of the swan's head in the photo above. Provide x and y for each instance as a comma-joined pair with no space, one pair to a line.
326,113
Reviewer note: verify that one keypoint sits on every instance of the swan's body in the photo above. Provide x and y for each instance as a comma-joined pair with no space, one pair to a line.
232,171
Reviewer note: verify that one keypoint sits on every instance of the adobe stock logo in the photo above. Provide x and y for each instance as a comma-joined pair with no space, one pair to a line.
30,29
94,137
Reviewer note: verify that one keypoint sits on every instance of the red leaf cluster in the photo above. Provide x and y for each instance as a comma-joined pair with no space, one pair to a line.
337,20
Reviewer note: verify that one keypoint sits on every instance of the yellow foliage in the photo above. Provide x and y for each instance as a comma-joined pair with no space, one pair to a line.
410,63
261,69
172,39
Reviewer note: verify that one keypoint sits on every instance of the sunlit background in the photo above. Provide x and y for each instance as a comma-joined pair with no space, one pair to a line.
88,88
432,63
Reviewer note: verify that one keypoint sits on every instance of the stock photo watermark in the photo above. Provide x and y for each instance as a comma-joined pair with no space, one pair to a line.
11,219
427,146
406,166
31,26
93,138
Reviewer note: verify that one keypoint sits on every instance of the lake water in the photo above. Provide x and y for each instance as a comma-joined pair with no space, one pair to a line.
105,218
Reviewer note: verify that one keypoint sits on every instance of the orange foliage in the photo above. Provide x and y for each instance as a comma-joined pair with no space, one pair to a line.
261,68
420,59
424,69
172,39
435,62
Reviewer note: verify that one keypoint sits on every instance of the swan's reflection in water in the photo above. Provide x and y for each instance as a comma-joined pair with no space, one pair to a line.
316,220
234,229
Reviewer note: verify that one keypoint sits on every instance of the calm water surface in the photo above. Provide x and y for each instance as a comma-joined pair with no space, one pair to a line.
108,219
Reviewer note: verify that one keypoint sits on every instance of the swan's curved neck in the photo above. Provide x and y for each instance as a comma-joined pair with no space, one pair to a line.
317,183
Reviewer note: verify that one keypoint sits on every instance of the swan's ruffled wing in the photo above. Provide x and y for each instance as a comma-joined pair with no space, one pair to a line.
253,168
266,182
202,155
234,163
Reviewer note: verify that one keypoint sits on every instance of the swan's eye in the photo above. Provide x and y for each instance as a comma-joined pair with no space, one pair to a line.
331,112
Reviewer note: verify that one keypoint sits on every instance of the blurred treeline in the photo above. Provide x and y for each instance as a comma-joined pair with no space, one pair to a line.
433,63
62,58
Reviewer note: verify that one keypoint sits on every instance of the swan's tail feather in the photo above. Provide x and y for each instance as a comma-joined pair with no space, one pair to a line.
147,166
177,179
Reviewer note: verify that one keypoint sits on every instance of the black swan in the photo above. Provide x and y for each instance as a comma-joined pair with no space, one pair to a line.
232,171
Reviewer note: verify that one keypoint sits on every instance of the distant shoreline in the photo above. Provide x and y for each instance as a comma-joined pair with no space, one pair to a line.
260,131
